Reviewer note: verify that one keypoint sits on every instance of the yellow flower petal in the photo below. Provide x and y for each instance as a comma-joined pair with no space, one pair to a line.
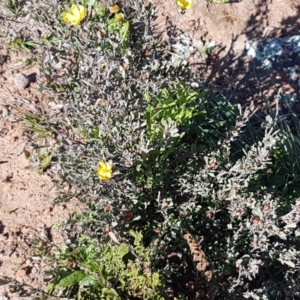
76,15
104,171
82,11
69,18
105,165
184,4
119,17
75,11
104,175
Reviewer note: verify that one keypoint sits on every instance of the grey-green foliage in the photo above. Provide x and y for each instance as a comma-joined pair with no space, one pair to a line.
13,6
286,155
203,158
250,194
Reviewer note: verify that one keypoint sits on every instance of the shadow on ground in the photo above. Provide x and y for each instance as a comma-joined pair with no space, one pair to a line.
240,78
245,80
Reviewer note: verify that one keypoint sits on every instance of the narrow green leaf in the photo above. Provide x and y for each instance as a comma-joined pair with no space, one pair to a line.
4,280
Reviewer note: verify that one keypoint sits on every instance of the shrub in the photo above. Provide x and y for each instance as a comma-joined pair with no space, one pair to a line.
177,160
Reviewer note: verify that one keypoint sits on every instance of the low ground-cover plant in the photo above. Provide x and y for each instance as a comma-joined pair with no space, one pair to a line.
105,271
150,149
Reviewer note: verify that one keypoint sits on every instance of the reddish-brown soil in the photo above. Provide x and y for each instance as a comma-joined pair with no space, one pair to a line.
228,68
26,209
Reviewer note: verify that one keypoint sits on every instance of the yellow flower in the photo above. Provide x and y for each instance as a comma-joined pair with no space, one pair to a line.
104,171
184,4
119,17
76,15
114,9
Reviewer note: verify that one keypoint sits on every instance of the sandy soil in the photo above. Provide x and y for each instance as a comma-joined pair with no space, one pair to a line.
26,209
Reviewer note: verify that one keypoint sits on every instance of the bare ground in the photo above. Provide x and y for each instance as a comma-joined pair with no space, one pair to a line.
26,209
228,68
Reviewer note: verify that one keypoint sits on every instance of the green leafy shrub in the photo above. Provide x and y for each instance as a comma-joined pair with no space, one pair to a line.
178,104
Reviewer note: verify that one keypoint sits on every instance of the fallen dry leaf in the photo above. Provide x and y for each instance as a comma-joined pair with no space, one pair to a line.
198,254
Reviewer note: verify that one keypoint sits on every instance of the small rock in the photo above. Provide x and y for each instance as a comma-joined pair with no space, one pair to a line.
21,81
34,271
67,188
23,272
3,237
195,85
36,258
48,210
